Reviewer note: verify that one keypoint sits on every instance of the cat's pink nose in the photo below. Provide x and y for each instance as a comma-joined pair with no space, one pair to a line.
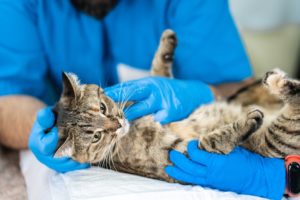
112,124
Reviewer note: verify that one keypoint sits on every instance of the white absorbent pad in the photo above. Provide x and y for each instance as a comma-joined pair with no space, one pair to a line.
97,183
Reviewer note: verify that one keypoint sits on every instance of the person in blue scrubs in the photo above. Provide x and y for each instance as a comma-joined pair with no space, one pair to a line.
39,39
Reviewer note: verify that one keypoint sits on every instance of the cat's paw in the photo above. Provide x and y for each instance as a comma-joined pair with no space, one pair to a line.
169,38
254,120
281,85
168,44
216,142
274,80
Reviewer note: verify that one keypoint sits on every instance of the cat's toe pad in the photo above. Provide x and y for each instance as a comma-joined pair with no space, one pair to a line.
255,117
169,39
215,143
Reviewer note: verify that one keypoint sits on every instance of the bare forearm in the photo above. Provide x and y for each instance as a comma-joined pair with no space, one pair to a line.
226,90
17,114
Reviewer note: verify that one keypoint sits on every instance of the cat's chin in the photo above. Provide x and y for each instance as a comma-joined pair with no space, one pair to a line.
124,128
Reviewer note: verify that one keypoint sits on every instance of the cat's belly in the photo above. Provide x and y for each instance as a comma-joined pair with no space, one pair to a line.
145,163
145,150
205,119
148,165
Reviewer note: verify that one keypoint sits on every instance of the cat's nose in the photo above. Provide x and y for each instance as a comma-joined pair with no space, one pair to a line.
111,124
119,125
116,124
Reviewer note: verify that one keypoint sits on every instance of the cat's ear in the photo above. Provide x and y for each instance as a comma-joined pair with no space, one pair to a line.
70,86
66,149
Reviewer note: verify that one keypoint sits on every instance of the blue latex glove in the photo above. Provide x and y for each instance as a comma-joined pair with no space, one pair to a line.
43,145
240,171
168,99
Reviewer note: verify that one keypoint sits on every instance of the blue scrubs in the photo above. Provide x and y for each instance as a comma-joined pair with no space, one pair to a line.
41,38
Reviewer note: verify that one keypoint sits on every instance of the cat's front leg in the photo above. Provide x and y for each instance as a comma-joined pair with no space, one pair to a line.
224,139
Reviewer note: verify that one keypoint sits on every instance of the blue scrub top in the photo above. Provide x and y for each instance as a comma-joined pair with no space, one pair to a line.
41,38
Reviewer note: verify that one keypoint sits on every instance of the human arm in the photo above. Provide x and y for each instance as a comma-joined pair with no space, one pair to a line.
23,86
225,90
28,119
22,73
17,114
241,171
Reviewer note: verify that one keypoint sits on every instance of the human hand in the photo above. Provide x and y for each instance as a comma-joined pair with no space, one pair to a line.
240,171
43,145
168,99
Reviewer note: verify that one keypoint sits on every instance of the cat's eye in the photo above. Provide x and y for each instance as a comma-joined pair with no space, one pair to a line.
103,108
96,137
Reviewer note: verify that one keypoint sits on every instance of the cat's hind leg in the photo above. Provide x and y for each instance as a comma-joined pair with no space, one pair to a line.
280,136
163,59
224,139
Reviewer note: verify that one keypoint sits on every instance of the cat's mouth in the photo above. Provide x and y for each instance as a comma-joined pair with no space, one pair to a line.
124,129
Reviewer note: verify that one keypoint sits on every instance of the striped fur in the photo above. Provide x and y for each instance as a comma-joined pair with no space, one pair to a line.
88,134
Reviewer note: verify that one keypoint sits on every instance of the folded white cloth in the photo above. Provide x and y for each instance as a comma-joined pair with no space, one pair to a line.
97,183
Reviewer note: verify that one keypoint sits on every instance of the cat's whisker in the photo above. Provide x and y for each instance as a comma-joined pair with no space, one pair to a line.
102,164
119,103
125,110
110,158
118,151
125,100
107,158
118,154
106,163
120,93
122,103
111,154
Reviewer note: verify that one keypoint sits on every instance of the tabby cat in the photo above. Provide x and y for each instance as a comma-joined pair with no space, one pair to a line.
93,128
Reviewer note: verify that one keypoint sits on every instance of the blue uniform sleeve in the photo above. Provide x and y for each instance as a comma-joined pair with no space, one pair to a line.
22,59
209,45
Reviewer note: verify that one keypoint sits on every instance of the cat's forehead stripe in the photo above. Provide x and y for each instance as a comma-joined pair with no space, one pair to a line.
95,109
84,125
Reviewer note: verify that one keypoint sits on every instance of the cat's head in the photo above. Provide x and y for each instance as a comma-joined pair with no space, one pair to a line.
89,122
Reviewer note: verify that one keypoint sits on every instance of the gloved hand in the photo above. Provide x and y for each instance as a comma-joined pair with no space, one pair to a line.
43,145
241,171
168,99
